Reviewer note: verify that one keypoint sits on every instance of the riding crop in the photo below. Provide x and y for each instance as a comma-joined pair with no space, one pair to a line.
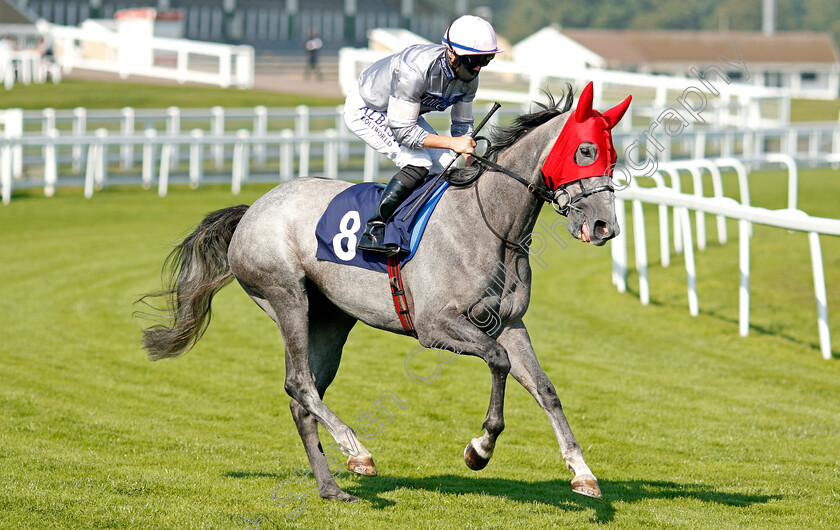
496,106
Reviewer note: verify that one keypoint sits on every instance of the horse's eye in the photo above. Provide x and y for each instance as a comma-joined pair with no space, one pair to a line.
586,154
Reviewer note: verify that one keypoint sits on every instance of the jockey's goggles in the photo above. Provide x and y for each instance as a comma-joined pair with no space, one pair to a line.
474,61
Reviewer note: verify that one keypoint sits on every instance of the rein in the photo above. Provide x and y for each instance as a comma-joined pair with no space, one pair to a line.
540,192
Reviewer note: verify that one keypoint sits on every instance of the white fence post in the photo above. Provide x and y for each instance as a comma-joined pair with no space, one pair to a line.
640,240
371,170
181,66
79,129
814,146
101,175
244,67
343,131
224,68
676,185
48,123
835,142
148,157
820,294
690,268
14,129
744,273
163,176
244,134
196,159
330,154
218,129
47,126
240,161
260,130
697,178
302,131
6,172
50,165
90,170
127,129
287,155
173,128
619,248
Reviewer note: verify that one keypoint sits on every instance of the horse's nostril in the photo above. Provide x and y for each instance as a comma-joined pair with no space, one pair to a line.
602,229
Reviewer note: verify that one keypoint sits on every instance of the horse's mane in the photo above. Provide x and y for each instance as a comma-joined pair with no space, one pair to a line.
503,137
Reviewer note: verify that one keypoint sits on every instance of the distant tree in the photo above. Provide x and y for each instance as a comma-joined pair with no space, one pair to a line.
516,19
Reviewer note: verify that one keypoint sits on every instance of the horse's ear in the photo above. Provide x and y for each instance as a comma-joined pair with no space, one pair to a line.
584,106
614,115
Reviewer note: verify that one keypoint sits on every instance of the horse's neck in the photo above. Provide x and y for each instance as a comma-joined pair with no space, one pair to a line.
509,206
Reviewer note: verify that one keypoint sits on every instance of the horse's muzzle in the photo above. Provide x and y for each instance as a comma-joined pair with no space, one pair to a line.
597,232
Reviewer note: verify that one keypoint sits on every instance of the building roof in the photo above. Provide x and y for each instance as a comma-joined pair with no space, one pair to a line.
618,46
12,14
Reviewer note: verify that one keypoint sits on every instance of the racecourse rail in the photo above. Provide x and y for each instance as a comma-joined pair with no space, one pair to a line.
116,131
41,148
722,207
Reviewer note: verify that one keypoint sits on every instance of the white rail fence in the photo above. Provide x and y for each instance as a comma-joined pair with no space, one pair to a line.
722,207
157,156
176,59
807,143
736,104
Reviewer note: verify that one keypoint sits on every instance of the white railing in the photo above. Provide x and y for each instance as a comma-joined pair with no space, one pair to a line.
158,157
508,81
722,207
783,145
187,61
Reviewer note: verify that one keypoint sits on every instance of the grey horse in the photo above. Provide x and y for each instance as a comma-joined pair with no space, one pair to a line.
468,285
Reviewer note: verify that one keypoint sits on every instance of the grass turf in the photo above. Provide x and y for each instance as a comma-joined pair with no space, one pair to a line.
686,424
112,95
104,95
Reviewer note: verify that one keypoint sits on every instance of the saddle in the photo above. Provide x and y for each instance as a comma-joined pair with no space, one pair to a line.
342,223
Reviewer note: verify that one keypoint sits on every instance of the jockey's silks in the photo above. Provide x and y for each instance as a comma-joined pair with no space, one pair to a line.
585,125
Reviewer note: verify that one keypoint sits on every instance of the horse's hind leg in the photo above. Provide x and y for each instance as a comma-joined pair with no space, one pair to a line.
328,330
290,308
525,368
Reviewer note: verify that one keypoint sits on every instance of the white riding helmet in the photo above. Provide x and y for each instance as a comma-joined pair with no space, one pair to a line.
471,35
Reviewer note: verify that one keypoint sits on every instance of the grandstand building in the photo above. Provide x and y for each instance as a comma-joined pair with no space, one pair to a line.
267,24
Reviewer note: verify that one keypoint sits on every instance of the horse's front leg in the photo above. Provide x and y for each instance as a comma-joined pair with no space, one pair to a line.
452,331
526,369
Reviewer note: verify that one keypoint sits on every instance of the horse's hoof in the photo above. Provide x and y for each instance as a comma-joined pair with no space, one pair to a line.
474,461
340,496
587,485
363,465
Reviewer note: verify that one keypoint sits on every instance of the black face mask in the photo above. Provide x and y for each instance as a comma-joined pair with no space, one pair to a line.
462,71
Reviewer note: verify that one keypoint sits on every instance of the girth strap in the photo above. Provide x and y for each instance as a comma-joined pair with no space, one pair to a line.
397,291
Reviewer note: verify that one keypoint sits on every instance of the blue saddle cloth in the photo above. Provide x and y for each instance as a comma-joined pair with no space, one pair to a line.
343,223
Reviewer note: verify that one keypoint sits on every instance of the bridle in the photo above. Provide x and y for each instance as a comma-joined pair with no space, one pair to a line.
542,193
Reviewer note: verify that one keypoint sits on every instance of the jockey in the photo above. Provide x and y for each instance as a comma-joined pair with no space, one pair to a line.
396,91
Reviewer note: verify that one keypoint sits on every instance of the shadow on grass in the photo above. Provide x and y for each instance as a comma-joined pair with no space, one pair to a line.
553,492
767,331
729,320
249,474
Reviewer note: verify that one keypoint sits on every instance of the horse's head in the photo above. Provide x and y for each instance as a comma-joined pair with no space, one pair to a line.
579,170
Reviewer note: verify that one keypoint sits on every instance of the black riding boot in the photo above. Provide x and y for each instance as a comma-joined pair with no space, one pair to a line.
397,190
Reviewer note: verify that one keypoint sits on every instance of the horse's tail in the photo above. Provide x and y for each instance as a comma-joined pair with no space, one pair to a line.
192,274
